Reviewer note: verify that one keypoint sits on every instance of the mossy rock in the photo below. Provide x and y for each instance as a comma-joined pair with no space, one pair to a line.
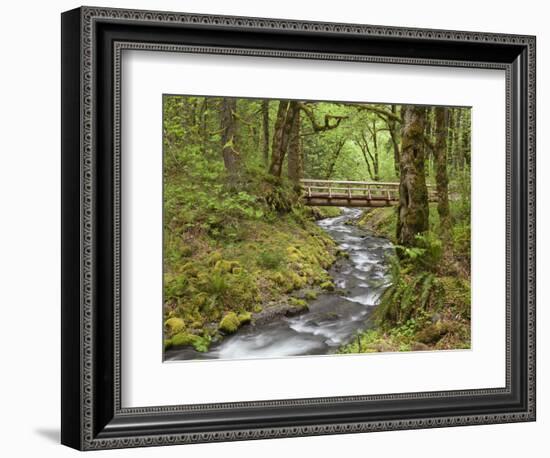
327,286
300,303
342,254
229,323
244,318
297,306
167,343
174,325
310,295
183,339
432,333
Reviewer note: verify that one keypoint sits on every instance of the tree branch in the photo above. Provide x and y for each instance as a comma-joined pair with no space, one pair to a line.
321,127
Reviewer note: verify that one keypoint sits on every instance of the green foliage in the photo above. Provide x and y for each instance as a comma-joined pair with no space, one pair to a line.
327,285
234,243
310,295
186,339
271,260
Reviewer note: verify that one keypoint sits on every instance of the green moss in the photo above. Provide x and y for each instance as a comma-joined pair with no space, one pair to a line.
297,302
310,295
381,221
224,266
183,339
244,318
270,259
214,257
327,285
298,306
324,212
229,323
174,325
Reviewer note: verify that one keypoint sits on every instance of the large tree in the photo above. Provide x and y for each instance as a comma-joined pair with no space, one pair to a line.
294,162
281,135
413,210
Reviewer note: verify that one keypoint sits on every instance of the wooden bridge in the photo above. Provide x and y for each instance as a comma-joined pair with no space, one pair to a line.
325,193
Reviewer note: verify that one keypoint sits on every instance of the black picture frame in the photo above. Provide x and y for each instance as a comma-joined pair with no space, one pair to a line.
92,415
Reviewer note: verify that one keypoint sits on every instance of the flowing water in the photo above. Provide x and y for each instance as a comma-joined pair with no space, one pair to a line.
333,318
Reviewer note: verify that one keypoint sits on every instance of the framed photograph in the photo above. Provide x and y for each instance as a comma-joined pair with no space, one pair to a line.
276,228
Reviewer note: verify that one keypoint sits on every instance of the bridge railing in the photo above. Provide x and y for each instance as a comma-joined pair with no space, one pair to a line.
368,190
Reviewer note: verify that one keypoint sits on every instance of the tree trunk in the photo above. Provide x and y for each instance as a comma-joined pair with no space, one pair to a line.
457,153
394,135
281,136
294,162
440,156
334,159
231,156
265,126
413,210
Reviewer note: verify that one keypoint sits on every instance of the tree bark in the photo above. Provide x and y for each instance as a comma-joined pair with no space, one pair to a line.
265,126
457,153
281,136
294,163
231,157
441,178
413,210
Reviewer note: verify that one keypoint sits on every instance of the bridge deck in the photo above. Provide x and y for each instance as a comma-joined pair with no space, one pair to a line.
353,193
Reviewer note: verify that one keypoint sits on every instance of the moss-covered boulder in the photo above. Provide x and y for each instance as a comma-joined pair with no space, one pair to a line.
244,318
297,306
229,323
327,286
432,333
174,325
183,339
310,295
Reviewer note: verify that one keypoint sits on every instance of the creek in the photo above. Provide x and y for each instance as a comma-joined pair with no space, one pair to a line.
333,319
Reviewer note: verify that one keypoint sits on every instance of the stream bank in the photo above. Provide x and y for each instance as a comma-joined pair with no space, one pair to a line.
332,319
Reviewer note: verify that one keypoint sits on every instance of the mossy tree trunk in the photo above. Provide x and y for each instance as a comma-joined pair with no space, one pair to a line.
231,156
294,163
457,150
281,135
441,177
413,208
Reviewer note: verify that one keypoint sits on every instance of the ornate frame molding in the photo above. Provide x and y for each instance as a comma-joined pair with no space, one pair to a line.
89,435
